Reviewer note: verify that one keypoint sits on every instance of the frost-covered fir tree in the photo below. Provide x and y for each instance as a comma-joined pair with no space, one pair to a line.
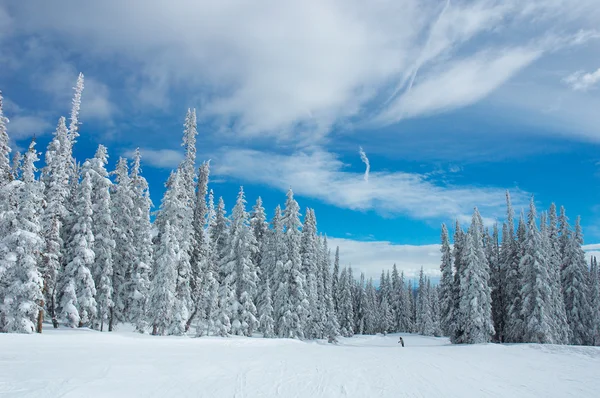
260,229
497,282
559,316
575,286
198,259
298,306
514,322
102,229
55,177
137,300
210,283
446,284
239,271
434,301
309,252
475,306
226,295
81,256
162,291
21,309
595,301
16,165
345,310
124,235
332,326
458,255
265,311
535,286
404,313
5,169
335,278
361,304
425,324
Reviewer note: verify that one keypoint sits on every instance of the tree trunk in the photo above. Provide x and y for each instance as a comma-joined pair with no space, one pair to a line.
189,321
110,322
40,318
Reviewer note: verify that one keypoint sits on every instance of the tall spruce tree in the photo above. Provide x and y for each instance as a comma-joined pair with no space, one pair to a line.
475,307
535,288
21,309
139,292
575,286
81,256
102,229
446,284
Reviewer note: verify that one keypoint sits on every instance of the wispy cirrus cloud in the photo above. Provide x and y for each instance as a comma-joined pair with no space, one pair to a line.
321,175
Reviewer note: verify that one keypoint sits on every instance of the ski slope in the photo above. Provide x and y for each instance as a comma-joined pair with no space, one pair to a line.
85,363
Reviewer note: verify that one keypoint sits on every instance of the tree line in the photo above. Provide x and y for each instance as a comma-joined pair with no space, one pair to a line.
533,286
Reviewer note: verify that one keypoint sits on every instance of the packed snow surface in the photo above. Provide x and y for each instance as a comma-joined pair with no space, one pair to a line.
84,363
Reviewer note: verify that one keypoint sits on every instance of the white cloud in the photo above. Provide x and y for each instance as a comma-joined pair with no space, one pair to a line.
461,83
371,257
581,81
161,158
319,174
25,126
302,66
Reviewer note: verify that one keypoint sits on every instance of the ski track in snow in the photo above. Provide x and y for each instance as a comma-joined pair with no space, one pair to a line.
82,363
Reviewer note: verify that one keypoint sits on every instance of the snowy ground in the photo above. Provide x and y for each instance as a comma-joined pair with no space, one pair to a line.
83,363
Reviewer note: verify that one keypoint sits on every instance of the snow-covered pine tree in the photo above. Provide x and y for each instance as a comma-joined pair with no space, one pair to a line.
492,253
361,304
142,244
226,295
260,229
458,255
434,301
80,256
102,230
559,315
514,319
239,271
332,326
308,252
5,170
265,311
475,304
21,308
124,254
335,279
183,227
162,291
575,286
595,300
297,297
345,310
446,284
210,283
535,288
55,177
198,259
16,165
424,316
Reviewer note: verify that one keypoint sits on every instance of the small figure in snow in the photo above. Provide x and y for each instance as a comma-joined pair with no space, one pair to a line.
332,340
401,341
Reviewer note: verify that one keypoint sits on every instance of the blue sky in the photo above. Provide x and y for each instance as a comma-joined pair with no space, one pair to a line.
453,102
